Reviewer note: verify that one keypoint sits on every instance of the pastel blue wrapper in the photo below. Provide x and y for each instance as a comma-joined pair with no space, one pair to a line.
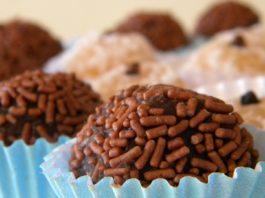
20,172
246,182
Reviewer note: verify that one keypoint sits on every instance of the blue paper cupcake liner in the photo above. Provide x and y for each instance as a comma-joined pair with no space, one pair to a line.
246,182
20,173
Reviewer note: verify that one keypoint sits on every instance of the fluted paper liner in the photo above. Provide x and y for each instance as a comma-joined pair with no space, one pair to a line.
246,182
20,173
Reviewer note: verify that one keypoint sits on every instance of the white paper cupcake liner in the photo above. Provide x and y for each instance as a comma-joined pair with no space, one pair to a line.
246,182
20,173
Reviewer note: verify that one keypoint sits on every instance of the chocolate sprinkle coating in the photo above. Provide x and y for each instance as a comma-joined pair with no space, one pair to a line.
225,16
24,46
35,104
161,131
161,29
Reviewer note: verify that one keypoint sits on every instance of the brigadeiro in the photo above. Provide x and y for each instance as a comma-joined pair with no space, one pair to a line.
161,131
35,104
225,15
24,46
161,29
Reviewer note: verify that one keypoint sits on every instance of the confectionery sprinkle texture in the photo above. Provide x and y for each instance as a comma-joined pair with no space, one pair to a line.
35,104
224,16
161,131
160,29
24,46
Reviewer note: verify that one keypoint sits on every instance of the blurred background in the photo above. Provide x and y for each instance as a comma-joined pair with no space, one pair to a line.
71,18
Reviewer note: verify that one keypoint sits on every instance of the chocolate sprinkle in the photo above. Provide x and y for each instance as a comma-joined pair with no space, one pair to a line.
35,104
133,69
249,98
161,131
238,41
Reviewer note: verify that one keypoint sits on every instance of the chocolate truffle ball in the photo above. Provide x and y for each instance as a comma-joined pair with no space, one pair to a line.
24,46
160,29
224,16
35,104
161,131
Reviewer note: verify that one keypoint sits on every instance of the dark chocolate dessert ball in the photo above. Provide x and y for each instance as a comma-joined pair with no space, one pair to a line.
161,131
35,104
160,29
225,16
24,46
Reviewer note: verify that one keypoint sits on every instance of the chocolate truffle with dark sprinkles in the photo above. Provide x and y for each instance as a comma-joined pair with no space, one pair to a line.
24,46
161,131
34,104
224,16
161,29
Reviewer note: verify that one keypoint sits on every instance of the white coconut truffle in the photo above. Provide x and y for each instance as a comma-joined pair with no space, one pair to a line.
228,55
139,73
96,54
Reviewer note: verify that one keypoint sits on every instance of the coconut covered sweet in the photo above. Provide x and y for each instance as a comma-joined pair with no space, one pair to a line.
150,72
251,108
161,131
95,55
35,104
228,55
111,62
